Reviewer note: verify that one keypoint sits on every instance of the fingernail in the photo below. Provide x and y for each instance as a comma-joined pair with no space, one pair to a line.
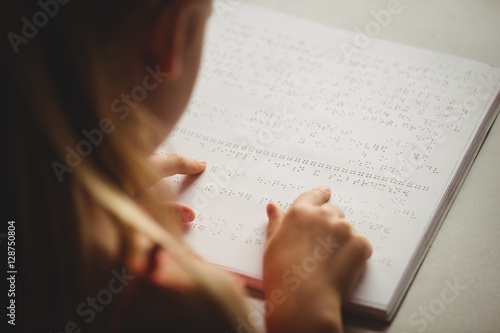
270,209
202,161
187,215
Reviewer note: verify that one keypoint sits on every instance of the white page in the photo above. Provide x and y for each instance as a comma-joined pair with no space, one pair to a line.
279,110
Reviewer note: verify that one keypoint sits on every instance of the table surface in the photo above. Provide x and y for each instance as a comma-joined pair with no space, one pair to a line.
467,247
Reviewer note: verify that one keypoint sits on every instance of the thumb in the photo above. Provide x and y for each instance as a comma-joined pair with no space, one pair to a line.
275,214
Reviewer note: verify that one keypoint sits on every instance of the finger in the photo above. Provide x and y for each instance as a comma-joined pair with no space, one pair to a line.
341,212
338,211
314,197
184,214
187,213
332,211
276,215
353,260
173,164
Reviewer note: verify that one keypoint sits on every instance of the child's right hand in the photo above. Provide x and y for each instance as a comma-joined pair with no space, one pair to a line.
313,258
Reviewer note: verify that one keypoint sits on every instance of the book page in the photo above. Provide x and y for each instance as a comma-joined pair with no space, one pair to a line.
280,109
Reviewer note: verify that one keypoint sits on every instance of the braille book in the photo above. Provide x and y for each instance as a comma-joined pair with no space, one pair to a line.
284,105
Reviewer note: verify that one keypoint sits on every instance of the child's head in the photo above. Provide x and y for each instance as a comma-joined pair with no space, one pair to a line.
91,92
163,37
88,45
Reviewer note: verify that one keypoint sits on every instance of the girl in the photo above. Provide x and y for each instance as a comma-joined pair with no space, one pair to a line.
93,258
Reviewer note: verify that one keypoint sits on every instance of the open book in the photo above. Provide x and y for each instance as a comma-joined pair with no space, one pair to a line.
284,105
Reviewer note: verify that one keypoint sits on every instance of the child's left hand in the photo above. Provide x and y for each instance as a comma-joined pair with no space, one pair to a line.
174,164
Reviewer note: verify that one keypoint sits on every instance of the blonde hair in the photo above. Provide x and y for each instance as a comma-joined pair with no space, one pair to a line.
59,84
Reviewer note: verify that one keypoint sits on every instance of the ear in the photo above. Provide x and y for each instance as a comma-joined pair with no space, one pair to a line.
169,37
